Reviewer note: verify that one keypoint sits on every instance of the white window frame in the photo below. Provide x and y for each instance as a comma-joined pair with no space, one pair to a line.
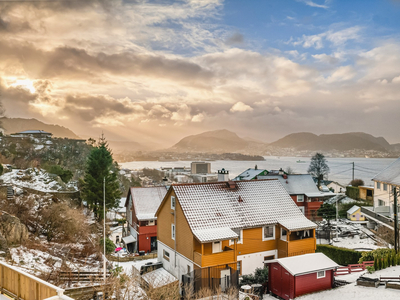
240,239
378,185
385,187
273,233
300,198
165,255
283,239
173,233
151,223
321,276
173,202
220,246
302,209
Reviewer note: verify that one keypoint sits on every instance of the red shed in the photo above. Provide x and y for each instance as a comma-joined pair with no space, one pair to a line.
294,276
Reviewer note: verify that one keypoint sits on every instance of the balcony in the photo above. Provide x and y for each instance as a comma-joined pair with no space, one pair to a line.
303,246
214,259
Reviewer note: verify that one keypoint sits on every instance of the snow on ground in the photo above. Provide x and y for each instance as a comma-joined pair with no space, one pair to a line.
129,265
37,179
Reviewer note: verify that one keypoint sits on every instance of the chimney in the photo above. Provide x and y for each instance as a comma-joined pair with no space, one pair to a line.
223,175
232,185
280,172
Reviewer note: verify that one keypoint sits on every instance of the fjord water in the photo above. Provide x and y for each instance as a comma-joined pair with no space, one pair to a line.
340,168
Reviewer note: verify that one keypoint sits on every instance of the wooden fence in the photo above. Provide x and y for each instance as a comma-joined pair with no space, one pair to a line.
21,285
353,268
76,276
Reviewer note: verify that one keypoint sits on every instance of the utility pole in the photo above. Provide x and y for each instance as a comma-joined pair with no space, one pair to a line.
353,170
396,233
104,228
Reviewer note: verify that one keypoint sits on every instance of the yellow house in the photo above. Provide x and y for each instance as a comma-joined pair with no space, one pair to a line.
355,214
210,233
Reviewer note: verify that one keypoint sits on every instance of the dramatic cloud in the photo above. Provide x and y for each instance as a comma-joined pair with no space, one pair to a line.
155,71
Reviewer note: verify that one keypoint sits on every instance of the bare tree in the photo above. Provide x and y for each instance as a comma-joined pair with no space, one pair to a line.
318,167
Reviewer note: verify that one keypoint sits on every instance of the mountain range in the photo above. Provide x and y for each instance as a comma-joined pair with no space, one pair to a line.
225,141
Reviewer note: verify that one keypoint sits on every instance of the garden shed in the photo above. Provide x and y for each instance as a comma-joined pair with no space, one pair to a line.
294,276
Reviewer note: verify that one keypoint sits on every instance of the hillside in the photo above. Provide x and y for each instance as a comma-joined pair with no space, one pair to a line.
217,141
13,125
326,142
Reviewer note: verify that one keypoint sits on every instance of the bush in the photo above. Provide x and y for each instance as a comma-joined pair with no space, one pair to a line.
260,276
110,246
341,256
353,192
370,269
64,174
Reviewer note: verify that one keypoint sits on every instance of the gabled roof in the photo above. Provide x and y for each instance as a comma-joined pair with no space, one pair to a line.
390,174
353,209
299,184
246,204
33,132
146,201
306,264
250,174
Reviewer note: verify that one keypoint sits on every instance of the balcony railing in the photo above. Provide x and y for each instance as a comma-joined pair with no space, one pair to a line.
219,258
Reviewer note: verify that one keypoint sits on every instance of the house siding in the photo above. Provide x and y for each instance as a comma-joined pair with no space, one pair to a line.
252,241
309,283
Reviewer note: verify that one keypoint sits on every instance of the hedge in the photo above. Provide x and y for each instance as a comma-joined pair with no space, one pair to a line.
353,192
341,256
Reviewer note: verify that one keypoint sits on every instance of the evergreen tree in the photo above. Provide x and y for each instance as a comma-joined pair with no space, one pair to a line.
327,211
101,166
318,167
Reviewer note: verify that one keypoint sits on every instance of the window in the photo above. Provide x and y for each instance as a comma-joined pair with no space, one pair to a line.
217,247
385,187
240,238
283,234
268,258
320,274
268,233
151,223
381,202
173,231
166,255
173,202
302,209
354,216
378,185
300,198
239,267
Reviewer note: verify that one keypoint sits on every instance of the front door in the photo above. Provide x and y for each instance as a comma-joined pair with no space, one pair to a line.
225,279
153,243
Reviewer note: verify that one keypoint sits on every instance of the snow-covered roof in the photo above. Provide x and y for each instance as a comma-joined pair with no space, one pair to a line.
129,239
146,201
215,234
305,264
250,204
298,184
159,278
390,174
250,174
34,132
353,209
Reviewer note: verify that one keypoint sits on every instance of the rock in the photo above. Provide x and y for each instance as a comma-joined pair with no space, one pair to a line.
11,228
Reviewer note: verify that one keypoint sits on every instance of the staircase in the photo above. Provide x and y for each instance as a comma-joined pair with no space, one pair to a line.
10,192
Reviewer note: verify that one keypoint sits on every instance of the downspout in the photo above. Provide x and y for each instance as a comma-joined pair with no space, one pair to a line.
175,229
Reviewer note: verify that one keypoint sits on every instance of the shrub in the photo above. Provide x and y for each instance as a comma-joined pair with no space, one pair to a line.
110,246
370,269
353,192
341,256
64,174
260,276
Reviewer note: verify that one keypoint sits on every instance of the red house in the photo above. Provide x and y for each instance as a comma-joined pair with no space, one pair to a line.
294,276
141,205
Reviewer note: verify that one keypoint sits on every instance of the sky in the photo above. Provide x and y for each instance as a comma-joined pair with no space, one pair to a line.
156,71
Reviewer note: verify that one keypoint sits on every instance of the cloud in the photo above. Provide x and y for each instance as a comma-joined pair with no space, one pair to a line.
240,107
313,4
198,118
342,74
336,38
